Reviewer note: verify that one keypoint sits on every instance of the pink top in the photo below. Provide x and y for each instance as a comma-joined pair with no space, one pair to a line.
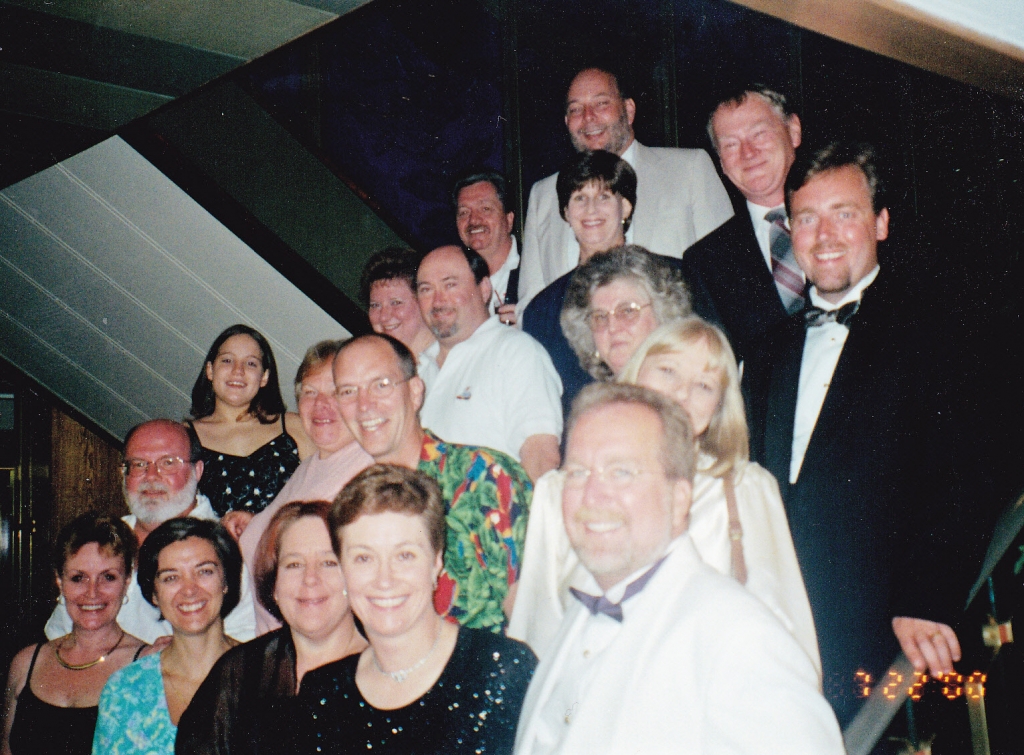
316,479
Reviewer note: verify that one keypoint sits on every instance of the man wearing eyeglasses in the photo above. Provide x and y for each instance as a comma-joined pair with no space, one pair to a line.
161,473
658,652
487,384
486,493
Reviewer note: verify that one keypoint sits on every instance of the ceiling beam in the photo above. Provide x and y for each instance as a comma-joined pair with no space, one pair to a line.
73,100
243,29
910,35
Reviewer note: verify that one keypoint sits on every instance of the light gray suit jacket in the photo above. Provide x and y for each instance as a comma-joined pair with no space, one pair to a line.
679,199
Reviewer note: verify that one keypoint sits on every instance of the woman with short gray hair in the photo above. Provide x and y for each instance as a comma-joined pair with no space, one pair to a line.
615,301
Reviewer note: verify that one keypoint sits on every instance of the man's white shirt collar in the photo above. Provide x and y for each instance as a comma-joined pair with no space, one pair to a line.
499,281
615,592
852,295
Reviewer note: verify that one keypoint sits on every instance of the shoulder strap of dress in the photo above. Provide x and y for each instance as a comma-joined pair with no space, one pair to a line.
739,565
32,665
284,427
139,652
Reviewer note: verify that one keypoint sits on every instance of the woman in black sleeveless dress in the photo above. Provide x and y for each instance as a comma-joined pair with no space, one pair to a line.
251,445
54,687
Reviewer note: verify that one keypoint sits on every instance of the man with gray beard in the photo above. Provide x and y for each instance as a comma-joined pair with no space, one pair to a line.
161,471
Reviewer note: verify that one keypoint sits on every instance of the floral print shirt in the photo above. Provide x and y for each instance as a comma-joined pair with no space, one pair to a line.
487,495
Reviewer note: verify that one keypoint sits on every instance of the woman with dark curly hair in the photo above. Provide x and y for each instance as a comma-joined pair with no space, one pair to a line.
191,570
251,445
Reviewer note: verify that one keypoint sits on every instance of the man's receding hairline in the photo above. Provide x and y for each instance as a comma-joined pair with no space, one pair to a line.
364,339
168,424
608,74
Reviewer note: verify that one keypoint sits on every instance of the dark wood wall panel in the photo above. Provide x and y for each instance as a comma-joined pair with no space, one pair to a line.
86,472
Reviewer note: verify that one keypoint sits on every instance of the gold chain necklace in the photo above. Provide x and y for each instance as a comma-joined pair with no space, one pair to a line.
90,664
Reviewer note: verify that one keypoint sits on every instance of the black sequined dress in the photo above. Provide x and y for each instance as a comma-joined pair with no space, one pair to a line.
472,708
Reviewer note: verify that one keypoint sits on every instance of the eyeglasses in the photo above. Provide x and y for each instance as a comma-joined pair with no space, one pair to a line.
165,466
379,388
617,476
625,314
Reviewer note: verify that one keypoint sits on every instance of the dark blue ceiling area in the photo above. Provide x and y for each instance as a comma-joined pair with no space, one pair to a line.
401,95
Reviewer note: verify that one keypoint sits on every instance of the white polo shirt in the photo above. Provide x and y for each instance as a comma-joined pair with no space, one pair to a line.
496,389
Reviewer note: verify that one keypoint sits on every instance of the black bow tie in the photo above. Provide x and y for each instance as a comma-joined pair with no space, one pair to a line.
600,604
815,316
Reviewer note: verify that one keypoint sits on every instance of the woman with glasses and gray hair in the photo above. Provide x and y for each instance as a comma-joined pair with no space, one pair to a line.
615,301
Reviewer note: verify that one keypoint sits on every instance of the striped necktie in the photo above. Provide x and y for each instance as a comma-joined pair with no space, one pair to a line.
789,279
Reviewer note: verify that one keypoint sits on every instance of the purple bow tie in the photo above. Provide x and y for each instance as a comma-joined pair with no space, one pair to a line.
600,604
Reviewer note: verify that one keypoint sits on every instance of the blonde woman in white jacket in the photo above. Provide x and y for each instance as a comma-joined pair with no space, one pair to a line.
737,520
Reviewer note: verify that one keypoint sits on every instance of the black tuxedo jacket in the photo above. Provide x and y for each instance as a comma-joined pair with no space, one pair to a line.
731,285
874,513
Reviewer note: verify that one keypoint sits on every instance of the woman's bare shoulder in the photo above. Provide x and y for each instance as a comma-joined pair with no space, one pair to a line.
19,668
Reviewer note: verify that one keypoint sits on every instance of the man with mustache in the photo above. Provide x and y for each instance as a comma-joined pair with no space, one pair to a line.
161,473
680,197
659,653
485,226
848,411
487,385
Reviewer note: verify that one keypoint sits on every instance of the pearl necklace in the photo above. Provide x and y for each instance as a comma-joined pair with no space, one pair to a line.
84,666
402,674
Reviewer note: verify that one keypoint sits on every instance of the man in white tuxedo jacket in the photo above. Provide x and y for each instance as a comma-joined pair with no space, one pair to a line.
666,655
680,197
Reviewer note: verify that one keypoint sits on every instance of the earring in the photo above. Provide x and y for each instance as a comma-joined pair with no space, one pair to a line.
124,600
344,591
60,599
435,582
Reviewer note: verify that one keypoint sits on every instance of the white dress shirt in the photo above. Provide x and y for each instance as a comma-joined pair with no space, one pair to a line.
499,281
823,345
581,662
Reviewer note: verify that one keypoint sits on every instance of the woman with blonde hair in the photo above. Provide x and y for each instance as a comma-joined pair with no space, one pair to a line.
737,520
